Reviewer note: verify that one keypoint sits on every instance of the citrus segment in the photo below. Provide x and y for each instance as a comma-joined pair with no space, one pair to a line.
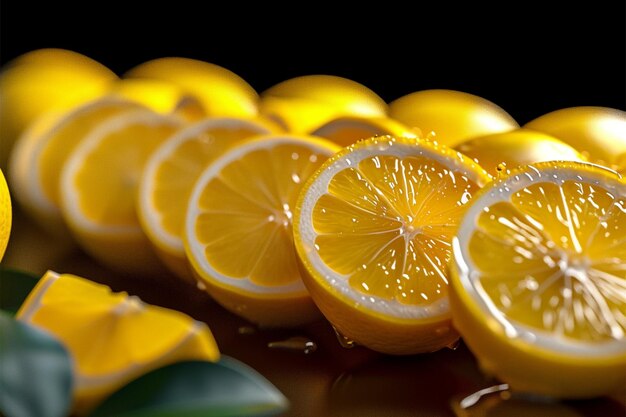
112,337
99,186
373,229
169,176
540,255
347,130
238,228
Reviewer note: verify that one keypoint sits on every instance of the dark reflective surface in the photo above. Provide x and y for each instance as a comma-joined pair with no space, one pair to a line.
330,381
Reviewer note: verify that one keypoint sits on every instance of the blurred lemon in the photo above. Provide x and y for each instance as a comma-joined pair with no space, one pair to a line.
221,92
538,280
303,104
517,147
347,130
454,116
99,185
599,133
40,80
5,215
373,228
113,338
238,228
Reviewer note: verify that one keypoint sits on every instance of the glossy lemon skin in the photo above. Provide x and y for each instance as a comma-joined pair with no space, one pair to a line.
597,132
515,148
5,215
41,80
453,116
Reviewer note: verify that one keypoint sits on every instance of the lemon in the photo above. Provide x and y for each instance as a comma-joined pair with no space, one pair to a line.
5,215
160,96
112,337
515,148
40,80
347,130
373,228
99,185
453,116
303,104
42,151
238,228
539,280
597,132
221,92
171,172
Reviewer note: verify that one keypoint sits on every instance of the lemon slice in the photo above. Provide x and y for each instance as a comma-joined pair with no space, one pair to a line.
112,337
5,215
515,148
373,228
99,186
238,231
453,116
221,92
347,130
539,279
39,155
302,104
170,173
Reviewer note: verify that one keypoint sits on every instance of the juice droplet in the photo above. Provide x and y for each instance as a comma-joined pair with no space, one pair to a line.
299,343
344,341
201,286
246,330
502,170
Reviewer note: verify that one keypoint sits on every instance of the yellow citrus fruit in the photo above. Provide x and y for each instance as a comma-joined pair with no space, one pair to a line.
221,92
303,104
539,279
41,152
170,174
347,130
6,215
453,116
373,228
238,230
597,132
160,96
40,80
515,148
112,338
99,185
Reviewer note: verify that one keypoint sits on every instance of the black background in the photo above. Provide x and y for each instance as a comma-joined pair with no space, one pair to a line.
526,58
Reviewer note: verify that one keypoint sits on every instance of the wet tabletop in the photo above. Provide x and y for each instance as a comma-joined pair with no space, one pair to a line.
329,380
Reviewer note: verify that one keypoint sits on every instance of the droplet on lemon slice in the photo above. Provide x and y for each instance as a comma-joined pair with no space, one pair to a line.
41,152
99,186
6,215
373,228
347,130
238,229
539,279
111,337
170,174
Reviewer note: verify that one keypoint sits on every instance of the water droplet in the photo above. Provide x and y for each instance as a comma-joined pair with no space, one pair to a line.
201,285
344,341
454,345
246,330
302,344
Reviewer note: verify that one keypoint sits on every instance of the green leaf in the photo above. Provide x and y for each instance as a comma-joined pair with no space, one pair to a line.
35,372
196,389
14,288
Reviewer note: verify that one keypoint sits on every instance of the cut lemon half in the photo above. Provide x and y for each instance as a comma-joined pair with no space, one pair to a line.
170,174
238,230
99,186
347,130
539,279
39,155
302,104
111,337
373,228
6,215
221,92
